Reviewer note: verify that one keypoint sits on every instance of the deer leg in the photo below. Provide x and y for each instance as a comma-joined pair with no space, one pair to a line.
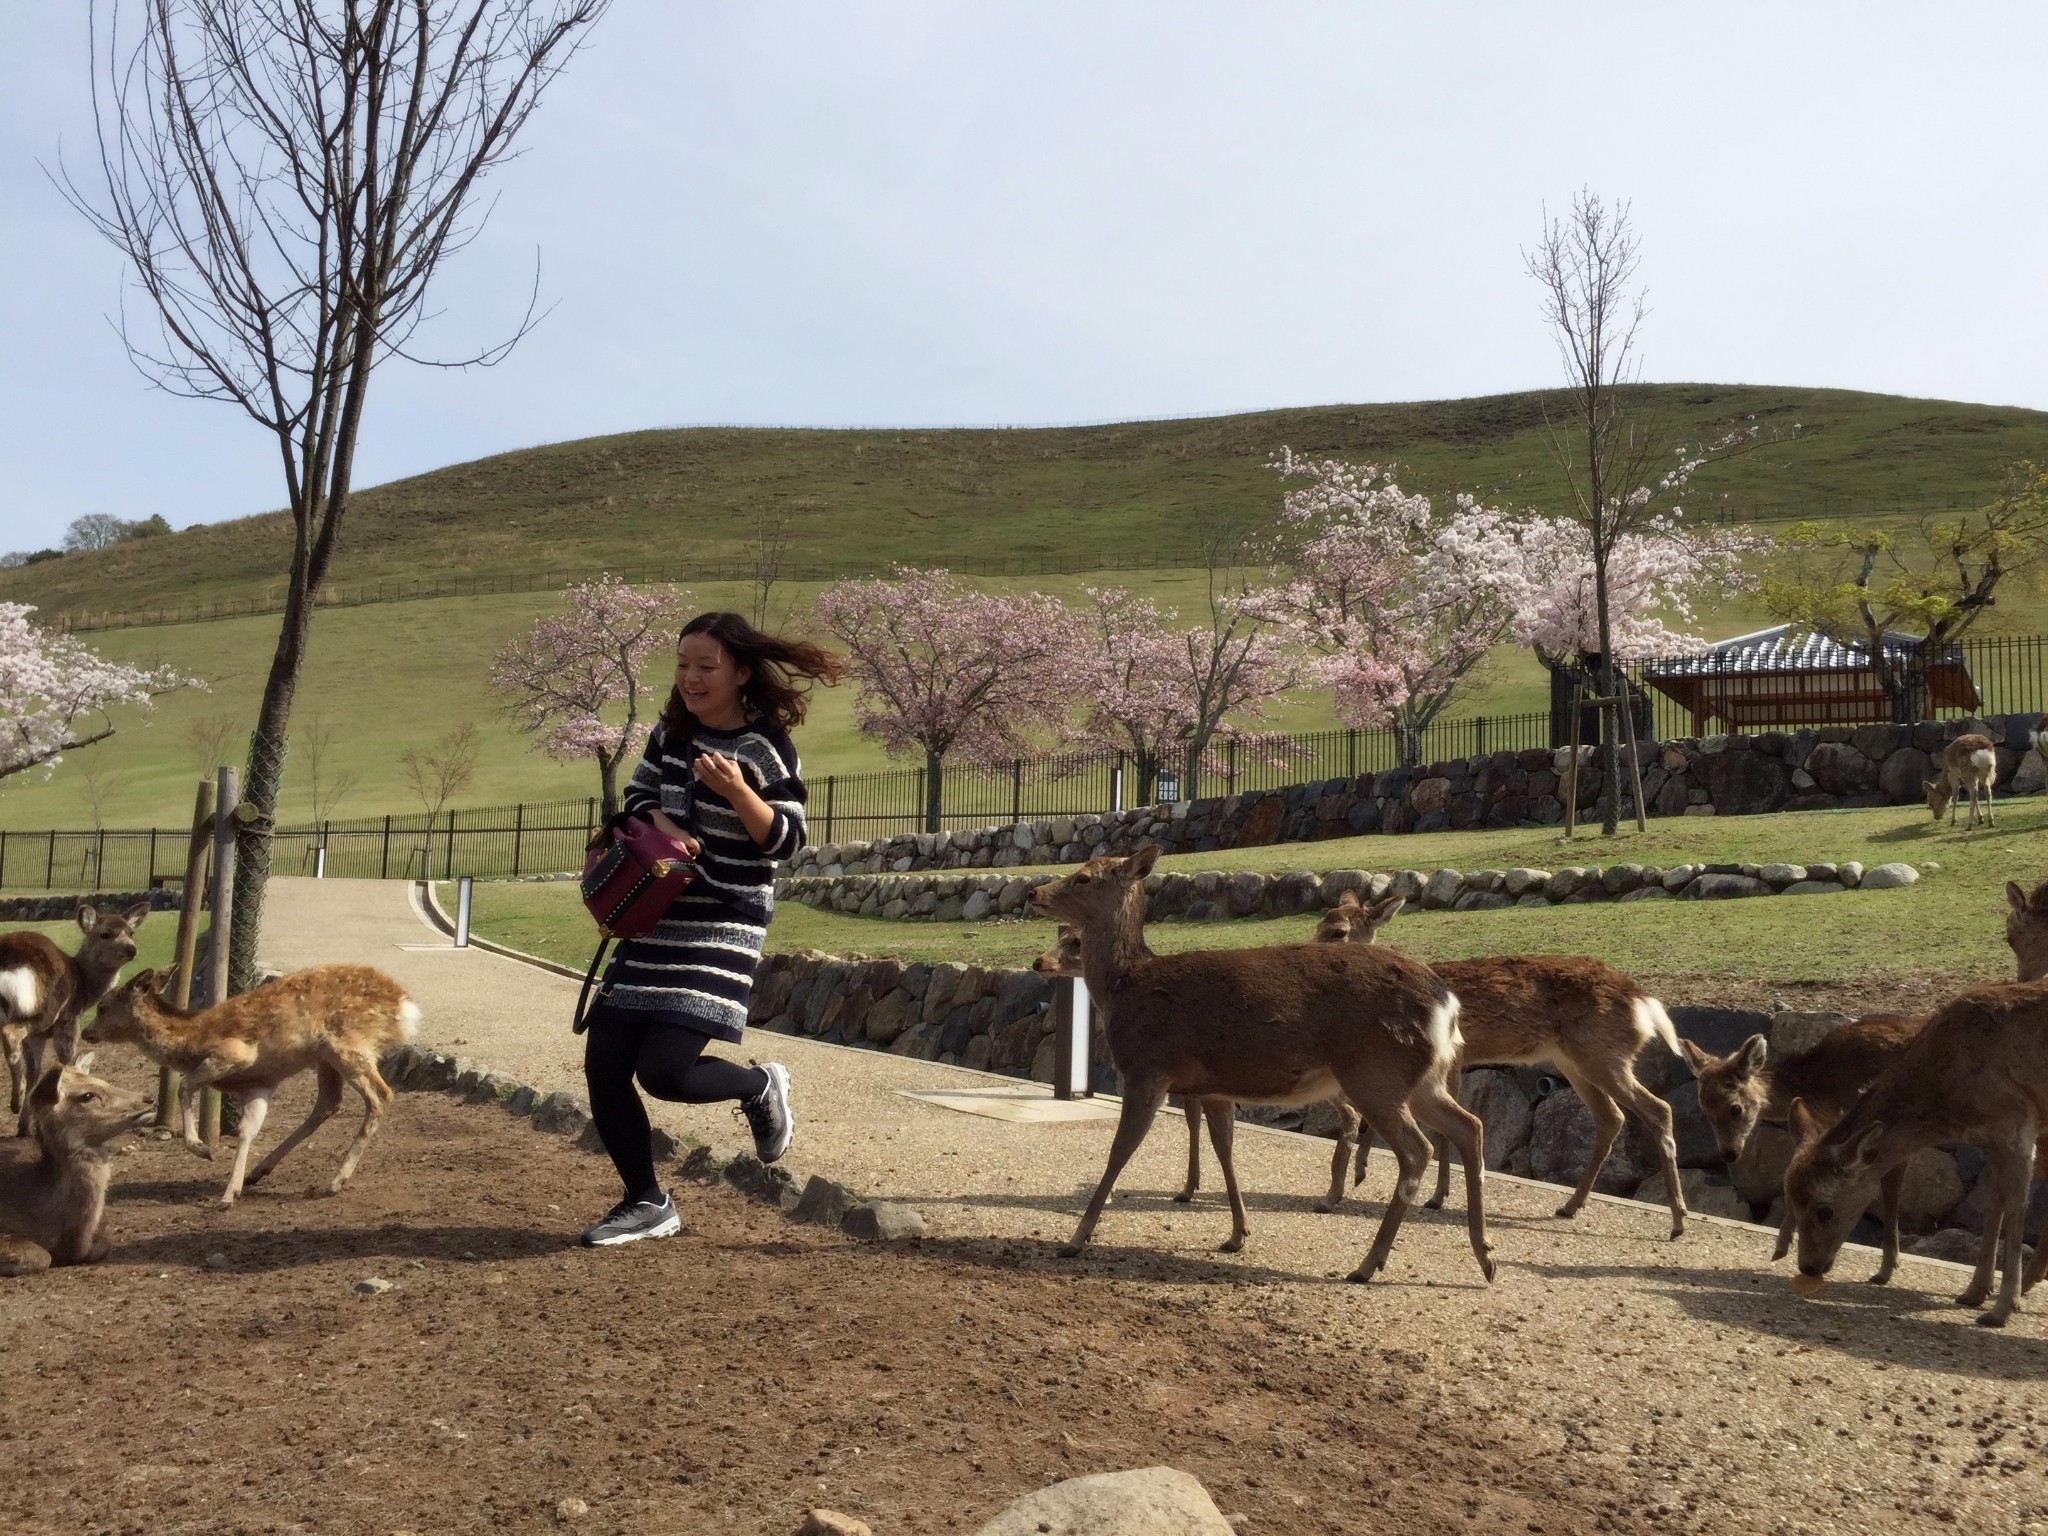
1192,1107
1606,1126
1411,1152
1784,1233
255,1109
327,1099
1364,1151
1141,1103
19,1256
2014,1169
376,1098
1222,1117
2039,1263
1440,1110
31,1071
1888,1214
1443,1154
11,1036
1987,1246
1340,1159
189,1086
1655,1117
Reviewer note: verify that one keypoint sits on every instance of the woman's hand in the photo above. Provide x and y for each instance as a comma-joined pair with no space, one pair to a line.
721,774
690,844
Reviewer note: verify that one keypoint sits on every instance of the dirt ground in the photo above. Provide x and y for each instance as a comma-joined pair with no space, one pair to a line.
219,1374
1922,992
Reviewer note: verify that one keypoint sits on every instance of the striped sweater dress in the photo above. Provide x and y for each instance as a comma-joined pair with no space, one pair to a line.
696,968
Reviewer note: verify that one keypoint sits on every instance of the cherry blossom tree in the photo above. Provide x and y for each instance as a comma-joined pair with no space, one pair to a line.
563,677
1399,602
1653,576
950,672
56,694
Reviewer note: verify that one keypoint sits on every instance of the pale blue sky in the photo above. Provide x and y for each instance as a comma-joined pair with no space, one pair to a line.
942,213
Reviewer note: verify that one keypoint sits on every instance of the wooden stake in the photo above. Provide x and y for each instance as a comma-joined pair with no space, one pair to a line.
185,952
218,932
1571,797
1635,766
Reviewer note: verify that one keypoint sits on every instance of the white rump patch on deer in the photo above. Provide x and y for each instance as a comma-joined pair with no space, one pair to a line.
408,1018
1652,1022
20,993
1446,1040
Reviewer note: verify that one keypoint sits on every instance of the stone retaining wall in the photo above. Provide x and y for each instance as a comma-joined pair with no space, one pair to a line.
1217,895
57,909
1715,775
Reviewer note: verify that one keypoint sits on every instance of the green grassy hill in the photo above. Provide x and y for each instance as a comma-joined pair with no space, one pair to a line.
393,676
1042,497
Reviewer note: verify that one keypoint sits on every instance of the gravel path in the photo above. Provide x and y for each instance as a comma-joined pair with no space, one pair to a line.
1683,1383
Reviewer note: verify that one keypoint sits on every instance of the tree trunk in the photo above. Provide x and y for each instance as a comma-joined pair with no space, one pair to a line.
1146,766
608,774
934,789
1407,742
1610,724
257,815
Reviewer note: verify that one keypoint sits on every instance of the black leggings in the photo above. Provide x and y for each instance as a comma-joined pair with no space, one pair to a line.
669,1061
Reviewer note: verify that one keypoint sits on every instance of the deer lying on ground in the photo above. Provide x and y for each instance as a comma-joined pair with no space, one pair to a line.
1977,1073
44,992
1750,1086
1064,959
1585,1018
1968,764
2026,930
336,1020
51,1205
1287,1024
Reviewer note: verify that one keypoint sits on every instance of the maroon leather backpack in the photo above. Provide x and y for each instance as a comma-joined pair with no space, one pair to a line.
632,872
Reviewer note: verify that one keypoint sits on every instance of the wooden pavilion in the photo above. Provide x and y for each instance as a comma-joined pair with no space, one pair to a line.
1775,678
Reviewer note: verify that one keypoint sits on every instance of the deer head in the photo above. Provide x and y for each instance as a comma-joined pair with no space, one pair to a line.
109,941
1099,890
1064,958
1732,1090
1939,793
74,1112
1352,922
1832,1180
2026,930
120,1015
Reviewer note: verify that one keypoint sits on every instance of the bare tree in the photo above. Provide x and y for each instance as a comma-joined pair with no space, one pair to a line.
444,771
766,558
97,780
95,530
286,178
326,786
208,739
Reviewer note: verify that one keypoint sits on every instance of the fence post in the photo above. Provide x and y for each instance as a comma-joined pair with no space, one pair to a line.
448,859
1016,790
1479,736
518,831
464,889
1116,785
99,860
830,780
3,860
384,868
1231,786
589,818
50,865
149,880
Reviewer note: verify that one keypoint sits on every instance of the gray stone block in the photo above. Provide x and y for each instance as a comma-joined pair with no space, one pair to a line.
882,1221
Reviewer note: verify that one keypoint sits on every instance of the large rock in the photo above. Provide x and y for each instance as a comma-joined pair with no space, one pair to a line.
1904,776
1244,893
1561,1139
1724,888
1704,1193
882,1221
1888,877
1792,1031
829,1522
1759,1174
1292,895
1745,783
1442,889
1840,769
1503,1109
2031,777
1933,1188
1152,1501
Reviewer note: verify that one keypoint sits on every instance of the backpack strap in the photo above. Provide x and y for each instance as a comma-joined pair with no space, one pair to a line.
582,1020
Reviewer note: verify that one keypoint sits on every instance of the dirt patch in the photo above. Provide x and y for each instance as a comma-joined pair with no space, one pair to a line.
220,1374
1921,992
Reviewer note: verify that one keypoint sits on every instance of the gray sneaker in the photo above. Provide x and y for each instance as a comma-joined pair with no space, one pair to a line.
631,1220
769,1117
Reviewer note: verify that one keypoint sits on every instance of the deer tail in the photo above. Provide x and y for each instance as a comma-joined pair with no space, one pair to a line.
1651,1019
408,1019
1446,1040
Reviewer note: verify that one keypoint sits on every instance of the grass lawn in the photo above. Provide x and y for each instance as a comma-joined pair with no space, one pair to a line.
1947,929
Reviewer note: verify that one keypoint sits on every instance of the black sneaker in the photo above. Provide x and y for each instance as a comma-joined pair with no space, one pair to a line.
631,1220
769,1117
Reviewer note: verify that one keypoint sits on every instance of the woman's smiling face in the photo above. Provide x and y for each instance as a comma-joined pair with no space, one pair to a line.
710,681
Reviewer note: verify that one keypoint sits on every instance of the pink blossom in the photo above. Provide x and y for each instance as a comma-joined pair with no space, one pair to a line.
55,692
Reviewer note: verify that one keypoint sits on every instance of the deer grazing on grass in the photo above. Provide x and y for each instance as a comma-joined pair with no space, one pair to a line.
2026,930
44,992
1287,1024
1585,1018
51,1205
1968,764
1750,1086
1977,1073
1064,959
335,1020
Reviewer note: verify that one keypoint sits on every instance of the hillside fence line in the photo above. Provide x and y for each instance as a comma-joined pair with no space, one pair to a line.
1725,512
2010,675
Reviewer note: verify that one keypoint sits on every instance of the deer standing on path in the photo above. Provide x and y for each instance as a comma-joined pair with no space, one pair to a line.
1978,1073
1582,1016
1064,959
1968,764
51,1207
335,1020
1287,1024
1751,1086
44,992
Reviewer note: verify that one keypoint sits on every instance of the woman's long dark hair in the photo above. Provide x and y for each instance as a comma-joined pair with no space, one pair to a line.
772,691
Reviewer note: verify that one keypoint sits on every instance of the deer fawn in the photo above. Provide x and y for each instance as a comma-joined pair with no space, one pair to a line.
1289,1024
1585,1018
2026,929
336,1020
1969,763
1749,1086
44,992
1978,1073
1064,959
51,1207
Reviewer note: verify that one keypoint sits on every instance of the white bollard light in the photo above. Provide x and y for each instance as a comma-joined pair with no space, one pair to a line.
1077,1084
463,890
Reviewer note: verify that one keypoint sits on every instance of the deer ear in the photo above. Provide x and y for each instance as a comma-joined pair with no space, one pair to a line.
1384,911
1347,899
1929,785
1139,864
84,1063
1695,1058
88,916
45,1090
1755,1051
134,915
2015,898
1863,1150
1801,1123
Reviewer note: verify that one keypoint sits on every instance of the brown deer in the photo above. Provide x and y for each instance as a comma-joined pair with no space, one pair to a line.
335,1020
1064,959
1750,1086
51,1205
1583,1017
1287,1024
44,992
2026,929
1977,1073
1968,764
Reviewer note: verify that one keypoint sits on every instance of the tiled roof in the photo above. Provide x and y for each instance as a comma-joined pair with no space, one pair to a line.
1776,650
